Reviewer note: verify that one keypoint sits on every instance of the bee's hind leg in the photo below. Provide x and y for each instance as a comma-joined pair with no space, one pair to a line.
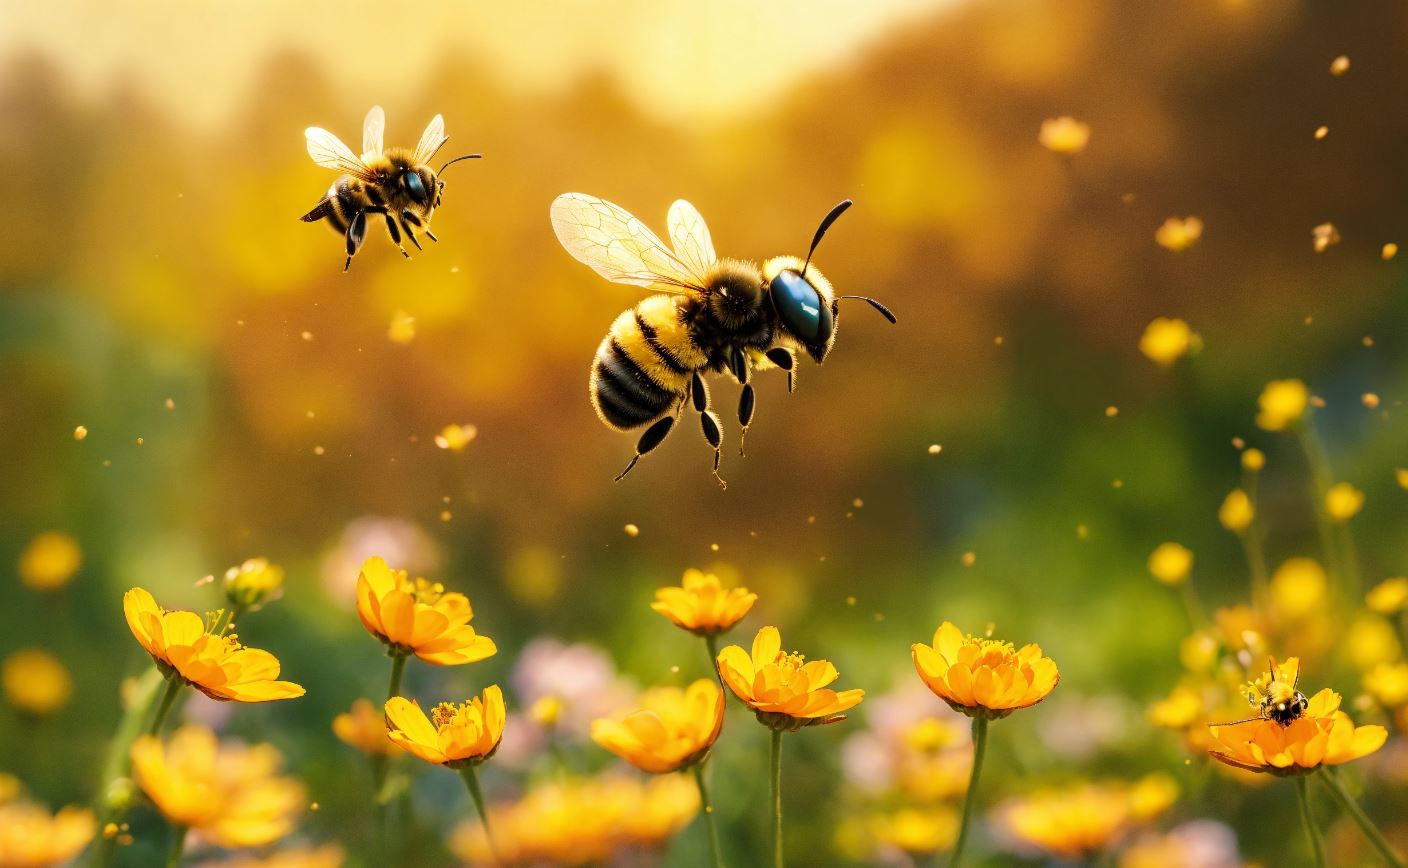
431,235
407,221
783,358
708,423
356,234
748,399
395,233
652,437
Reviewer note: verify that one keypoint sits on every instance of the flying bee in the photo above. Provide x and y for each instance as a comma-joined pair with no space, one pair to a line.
708,315
1278,701
394,182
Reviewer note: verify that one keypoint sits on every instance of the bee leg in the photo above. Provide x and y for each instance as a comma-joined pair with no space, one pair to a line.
784,359
708,422
746,403
356,234
407,221
431,235
395,234
648,441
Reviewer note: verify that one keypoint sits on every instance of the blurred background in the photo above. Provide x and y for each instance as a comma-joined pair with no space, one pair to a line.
1005,455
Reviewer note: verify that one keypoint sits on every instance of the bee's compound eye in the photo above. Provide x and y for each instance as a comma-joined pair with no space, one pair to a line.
415,187
800,307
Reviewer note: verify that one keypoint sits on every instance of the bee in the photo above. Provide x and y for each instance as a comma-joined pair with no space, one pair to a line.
1279,701
393,182
708,315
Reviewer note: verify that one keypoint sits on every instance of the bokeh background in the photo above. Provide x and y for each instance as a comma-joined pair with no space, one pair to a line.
243,397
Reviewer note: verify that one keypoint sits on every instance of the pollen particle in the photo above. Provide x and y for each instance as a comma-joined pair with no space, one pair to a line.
998,340
1390,250
308,336
1367,341
318,450
1064,135
1340,65
1401,474
1082,532
857,503
402,329
170,404
851,600
1324,237
935,449
1111,411
1238,443
713,547
446,515
969,558
1321,132
141,440
1370,400
632,530
80,433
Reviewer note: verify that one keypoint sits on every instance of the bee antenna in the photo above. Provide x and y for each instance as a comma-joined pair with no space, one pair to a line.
884,311
821,230
456,160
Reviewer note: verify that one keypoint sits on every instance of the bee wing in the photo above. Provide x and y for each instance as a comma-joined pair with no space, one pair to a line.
617,245
373,132
690,236
431,140
328,151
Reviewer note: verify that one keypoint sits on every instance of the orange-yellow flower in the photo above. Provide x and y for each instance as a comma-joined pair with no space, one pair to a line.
1064,135
326,856
1079,822
1388,684
1282,404
785,692
917,831
1322,735
1178,235
1388,597
454,735
230,794
984,677
1166,340
49,561
364,728
31,837
701,605
1171,563
35,682
672,729
1343,502
1237,511
418,617
215,664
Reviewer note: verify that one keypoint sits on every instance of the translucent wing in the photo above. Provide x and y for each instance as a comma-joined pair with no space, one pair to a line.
328,151
373,130
616,245
690,236
431,140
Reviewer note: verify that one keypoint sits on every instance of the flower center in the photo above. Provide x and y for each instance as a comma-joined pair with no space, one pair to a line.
424,591
789,663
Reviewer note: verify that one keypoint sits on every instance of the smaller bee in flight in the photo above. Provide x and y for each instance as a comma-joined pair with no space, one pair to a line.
394,182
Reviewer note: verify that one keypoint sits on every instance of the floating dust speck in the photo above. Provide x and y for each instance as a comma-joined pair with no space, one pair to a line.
456,437
850,513
1389,251
107,462
1128,198
713,547
969,558
1370,400
445,499
402,329
998,340
1317,402
1321,132
170,404
935,449
1340,65
445,515
1118,483
851,600
857,503
1309,320
811,519
1239,444
675,669
307,336
141,440
1111,411
239,322
632,530
879,616
1082,532
1367,341
1324,236
454,269
318,450
314,806
80,433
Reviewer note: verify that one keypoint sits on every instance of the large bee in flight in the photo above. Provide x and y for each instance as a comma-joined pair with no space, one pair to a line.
709,315
393,182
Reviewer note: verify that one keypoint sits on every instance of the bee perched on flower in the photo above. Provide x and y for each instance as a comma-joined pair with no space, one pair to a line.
701,605
672,729
785,692
418,617
215,663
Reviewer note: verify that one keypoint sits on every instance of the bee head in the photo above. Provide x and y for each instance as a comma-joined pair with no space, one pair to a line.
805,306
418,182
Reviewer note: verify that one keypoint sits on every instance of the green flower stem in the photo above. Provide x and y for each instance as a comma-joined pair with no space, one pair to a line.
708,808
711,642
1317,846
777,860
980,743
119,762
398,668
1197,615
471,781
381,763
173,687
178,845
1366,825
1320,477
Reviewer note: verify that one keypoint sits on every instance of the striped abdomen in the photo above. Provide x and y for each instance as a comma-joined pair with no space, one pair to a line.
643,367
345,198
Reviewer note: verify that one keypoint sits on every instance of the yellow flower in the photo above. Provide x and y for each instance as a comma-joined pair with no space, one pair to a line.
216,665
454,735
9,788
326,856
917,831
456,437
31,837
1236,512
49,561
1388,683
784,692
1369,641
365,729
1064,135
983,677
1253,460
1073,823
1401,474
1166,340
1389,596
1322,735
1298,588
701,605
673,728
1171,563
656,809
1179,710
253,583
35,681
419,617
1282,404
1178,235
1151,796
1343,502
546,711
1241,627
231,794
1198,651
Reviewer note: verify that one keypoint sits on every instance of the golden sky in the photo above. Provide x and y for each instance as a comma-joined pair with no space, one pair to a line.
680,58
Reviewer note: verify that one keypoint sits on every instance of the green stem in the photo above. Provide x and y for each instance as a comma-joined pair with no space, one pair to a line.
777,799
1197,616
1316,845
381,763
113,797
398,668
708,808
1256,561
1320,477
980,743
471,781
173,687
711,642
178,844
1366,825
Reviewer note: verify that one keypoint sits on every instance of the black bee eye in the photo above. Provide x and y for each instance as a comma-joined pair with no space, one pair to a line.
414,186
801,308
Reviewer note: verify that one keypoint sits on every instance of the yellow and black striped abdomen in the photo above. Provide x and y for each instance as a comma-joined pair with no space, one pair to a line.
643,367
